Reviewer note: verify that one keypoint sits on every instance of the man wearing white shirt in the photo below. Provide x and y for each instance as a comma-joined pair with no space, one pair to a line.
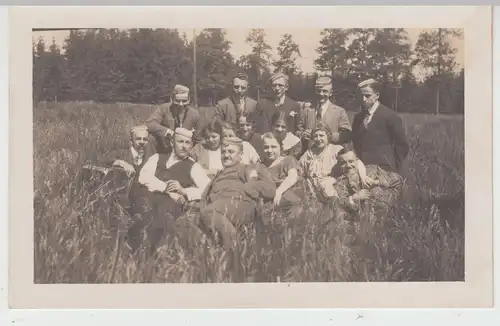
169,181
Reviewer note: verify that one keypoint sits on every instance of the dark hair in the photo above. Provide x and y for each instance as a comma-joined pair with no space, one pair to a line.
214,126
346,149
277,117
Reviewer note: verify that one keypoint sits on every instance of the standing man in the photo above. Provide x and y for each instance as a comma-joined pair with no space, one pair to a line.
334,116
168,117
281,105
238,104
378,134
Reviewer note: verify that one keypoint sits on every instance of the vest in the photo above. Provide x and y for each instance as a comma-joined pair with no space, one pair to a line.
180,171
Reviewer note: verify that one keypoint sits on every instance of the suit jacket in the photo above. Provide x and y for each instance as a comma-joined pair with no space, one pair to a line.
165,117
266,109
226,110
383,142
335,118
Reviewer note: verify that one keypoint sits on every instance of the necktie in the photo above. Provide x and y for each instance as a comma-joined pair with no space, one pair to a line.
367,118
319,114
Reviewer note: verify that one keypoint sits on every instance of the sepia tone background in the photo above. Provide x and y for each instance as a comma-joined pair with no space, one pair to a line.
472,119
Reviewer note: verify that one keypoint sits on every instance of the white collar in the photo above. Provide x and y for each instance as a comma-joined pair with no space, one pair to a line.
135,153
372,110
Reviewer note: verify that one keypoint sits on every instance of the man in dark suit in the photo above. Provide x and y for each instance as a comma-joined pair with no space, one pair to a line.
378,134
168,117
238,104
280,104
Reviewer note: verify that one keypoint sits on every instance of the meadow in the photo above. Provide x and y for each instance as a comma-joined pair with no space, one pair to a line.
76,232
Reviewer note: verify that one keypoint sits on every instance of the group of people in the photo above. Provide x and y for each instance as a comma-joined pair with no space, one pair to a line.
255,154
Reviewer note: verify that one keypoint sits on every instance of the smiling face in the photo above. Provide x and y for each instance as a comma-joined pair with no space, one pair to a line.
280,129
323,93
272,149
230,155
320,139
228,133
181,100
245,128
213,140
347,162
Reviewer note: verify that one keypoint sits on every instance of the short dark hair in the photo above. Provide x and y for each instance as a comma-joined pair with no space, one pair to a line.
214,126
348,147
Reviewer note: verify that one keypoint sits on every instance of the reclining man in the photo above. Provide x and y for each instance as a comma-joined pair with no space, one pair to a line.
231,200
168,182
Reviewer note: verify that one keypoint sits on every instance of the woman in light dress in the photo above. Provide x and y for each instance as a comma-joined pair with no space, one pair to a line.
319,165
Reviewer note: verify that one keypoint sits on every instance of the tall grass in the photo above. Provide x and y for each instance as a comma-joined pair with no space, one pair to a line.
77,235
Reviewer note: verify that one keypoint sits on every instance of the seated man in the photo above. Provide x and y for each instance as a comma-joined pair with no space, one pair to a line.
167,181
381,188
231,200
133,158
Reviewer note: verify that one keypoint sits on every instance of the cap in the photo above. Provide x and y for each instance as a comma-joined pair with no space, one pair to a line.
367,82
277,76
323,81
184,132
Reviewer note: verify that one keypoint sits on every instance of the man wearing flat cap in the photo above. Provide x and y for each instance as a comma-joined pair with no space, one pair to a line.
230,201
169,181
334,116
238,104
378,134
167,117
280,103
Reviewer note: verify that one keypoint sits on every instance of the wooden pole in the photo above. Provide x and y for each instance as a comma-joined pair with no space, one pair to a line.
438,71
195,88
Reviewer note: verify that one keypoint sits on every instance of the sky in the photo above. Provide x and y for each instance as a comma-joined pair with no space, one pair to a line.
307,39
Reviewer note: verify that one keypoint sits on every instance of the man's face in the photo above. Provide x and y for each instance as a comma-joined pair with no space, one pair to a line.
231,155
320,139
182,145
323,93
368,97
347,162
279,86
279,129
245,128
271,149
213,140
181,100
140,139
240,87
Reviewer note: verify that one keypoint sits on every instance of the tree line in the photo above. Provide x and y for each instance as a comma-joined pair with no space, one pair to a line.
143,65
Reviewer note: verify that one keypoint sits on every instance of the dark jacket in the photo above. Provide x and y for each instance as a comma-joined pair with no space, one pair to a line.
266,109
383,142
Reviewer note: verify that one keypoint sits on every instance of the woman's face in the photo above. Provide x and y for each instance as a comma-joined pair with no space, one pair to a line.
280,128
213,140
320,139
228,133
271,149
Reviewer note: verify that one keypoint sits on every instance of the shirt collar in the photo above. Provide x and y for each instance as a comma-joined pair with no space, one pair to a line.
372,110
134,151
281,100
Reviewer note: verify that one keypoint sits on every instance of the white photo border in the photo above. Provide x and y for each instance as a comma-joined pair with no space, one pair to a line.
474,292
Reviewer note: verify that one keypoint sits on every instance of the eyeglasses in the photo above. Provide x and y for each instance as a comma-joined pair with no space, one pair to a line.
239,87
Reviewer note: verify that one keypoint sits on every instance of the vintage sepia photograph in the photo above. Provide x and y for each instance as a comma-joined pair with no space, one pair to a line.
251,154
145,141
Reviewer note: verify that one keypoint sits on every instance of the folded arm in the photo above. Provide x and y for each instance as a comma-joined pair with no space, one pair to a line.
201,180
154,122
147,175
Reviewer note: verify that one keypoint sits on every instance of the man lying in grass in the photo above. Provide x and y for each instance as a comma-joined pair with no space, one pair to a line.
380,188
